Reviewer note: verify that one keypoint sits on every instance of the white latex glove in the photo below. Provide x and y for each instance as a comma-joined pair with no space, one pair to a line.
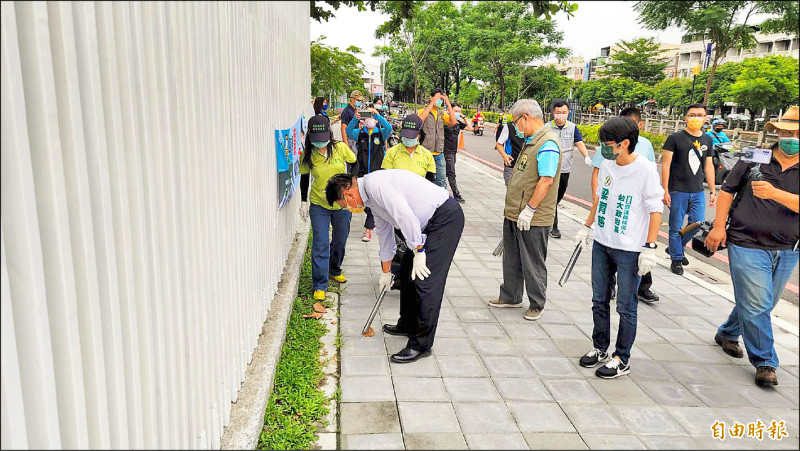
588,160
582,237
304,211
385,282
524,219
647,261
420,270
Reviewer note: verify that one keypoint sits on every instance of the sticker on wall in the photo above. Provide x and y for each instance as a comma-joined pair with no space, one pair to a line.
289,148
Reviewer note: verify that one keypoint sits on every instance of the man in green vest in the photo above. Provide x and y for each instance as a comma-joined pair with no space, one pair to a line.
529,211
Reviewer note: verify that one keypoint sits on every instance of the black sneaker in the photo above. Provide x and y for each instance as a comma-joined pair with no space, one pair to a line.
555,234
648,296
459,199
613,369
593,358
676,267
685,261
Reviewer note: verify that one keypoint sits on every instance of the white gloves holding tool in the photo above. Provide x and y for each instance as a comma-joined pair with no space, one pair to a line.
385,282
647,261
304,210
420,270
582,237
524,219
588,160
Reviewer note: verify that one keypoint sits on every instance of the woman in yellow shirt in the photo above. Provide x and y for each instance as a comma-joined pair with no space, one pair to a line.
323,158
410,154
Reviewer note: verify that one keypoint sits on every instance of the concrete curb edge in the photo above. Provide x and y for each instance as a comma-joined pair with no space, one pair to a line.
247,413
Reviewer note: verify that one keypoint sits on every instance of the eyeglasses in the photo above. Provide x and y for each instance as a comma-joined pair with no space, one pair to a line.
695,115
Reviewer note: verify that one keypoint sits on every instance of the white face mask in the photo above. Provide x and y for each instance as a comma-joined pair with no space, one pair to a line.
561,117
370,123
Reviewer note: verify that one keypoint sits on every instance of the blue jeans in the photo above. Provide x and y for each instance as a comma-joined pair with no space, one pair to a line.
326,258
759,277
605,262
441,170
682,203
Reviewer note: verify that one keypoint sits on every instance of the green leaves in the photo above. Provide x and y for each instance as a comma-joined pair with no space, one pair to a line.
333,70
640,60
770,82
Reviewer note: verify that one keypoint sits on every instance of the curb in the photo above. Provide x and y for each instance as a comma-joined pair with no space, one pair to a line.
247,412
327,437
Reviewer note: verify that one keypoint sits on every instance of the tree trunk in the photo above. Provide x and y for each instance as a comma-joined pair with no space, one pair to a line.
502,90
416,87
711,75
458,81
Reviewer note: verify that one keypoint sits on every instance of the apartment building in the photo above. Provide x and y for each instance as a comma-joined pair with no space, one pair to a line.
597,66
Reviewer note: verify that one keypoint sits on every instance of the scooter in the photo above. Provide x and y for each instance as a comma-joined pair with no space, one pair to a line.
724,160
478,128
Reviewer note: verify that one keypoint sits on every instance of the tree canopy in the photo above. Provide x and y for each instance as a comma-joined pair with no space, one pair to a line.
770,82
333,70
640,60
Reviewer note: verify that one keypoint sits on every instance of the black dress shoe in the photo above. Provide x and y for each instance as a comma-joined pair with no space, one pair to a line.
676,267
408,355
555,233
392,329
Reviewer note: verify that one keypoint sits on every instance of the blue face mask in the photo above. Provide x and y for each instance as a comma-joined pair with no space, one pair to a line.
320,144
325,107
358,104
410,142
520,133
439,103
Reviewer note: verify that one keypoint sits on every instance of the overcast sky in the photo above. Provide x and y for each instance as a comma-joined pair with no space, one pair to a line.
595,25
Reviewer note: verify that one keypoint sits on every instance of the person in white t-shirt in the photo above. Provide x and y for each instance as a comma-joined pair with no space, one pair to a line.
626,214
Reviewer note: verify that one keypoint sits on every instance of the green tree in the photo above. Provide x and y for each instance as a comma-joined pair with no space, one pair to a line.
770,82
334,71
718,20
544,83
506,35
640,60
672,93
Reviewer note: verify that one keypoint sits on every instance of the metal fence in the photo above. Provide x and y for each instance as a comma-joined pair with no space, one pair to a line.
141,239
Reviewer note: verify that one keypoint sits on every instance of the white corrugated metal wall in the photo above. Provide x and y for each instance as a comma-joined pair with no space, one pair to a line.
141,240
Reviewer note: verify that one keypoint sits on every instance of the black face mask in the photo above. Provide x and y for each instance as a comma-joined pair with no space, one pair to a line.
718,130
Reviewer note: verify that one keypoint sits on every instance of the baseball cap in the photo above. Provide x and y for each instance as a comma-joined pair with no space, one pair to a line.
411,126
319,128
356,94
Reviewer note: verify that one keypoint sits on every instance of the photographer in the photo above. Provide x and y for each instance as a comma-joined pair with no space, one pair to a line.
762,242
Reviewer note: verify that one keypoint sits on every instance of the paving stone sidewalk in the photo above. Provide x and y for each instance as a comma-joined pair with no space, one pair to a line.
496,381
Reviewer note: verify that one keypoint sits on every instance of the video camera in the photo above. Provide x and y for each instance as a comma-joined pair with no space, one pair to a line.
699,240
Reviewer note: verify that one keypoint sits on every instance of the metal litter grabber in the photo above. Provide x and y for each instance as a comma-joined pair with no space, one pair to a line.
499,249
374,311
570,264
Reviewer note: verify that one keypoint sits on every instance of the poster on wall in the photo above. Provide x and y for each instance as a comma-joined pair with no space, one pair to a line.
289,148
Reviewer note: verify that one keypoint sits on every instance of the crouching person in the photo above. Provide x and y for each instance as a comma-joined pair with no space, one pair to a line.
626,214
431,222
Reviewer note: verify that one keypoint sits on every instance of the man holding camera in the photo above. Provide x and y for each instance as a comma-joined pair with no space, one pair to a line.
434,117
348,113
762,240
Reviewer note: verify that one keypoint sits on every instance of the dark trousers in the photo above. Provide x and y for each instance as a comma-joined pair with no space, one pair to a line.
450,168
605,262
421,300
647,282
369,223
524,258
562,189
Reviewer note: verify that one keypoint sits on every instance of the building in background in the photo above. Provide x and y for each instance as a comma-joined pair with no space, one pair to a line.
372,80
694,47
574,68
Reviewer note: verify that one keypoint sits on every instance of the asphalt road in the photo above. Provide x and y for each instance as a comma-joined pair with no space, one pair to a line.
579,192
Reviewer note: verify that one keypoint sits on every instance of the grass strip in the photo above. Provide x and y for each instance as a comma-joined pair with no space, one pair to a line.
297,404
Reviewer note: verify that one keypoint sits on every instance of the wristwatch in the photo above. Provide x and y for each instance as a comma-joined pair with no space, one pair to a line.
650,245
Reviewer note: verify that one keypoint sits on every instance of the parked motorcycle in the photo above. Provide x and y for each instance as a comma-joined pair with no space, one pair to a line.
723,159
394,138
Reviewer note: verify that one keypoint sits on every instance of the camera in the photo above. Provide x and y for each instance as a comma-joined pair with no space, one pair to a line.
699,240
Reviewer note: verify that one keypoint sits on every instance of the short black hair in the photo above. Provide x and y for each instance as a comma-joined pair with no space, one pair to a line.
337,184
696,105
558,104
632,113
619,129
377,99
434,91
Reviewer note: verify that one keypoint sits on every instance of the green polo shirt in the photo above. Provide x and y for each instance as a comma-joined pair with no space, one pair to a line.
323,169
419,162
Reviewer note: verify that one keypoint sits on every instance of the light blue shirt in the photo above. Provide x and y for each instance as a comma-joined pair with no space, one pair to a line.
643,147
547,159
400,199
718,138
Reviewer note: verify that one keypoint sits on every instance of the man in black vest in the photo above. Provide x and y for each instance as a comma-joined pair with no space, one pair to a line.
452,134
509,145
